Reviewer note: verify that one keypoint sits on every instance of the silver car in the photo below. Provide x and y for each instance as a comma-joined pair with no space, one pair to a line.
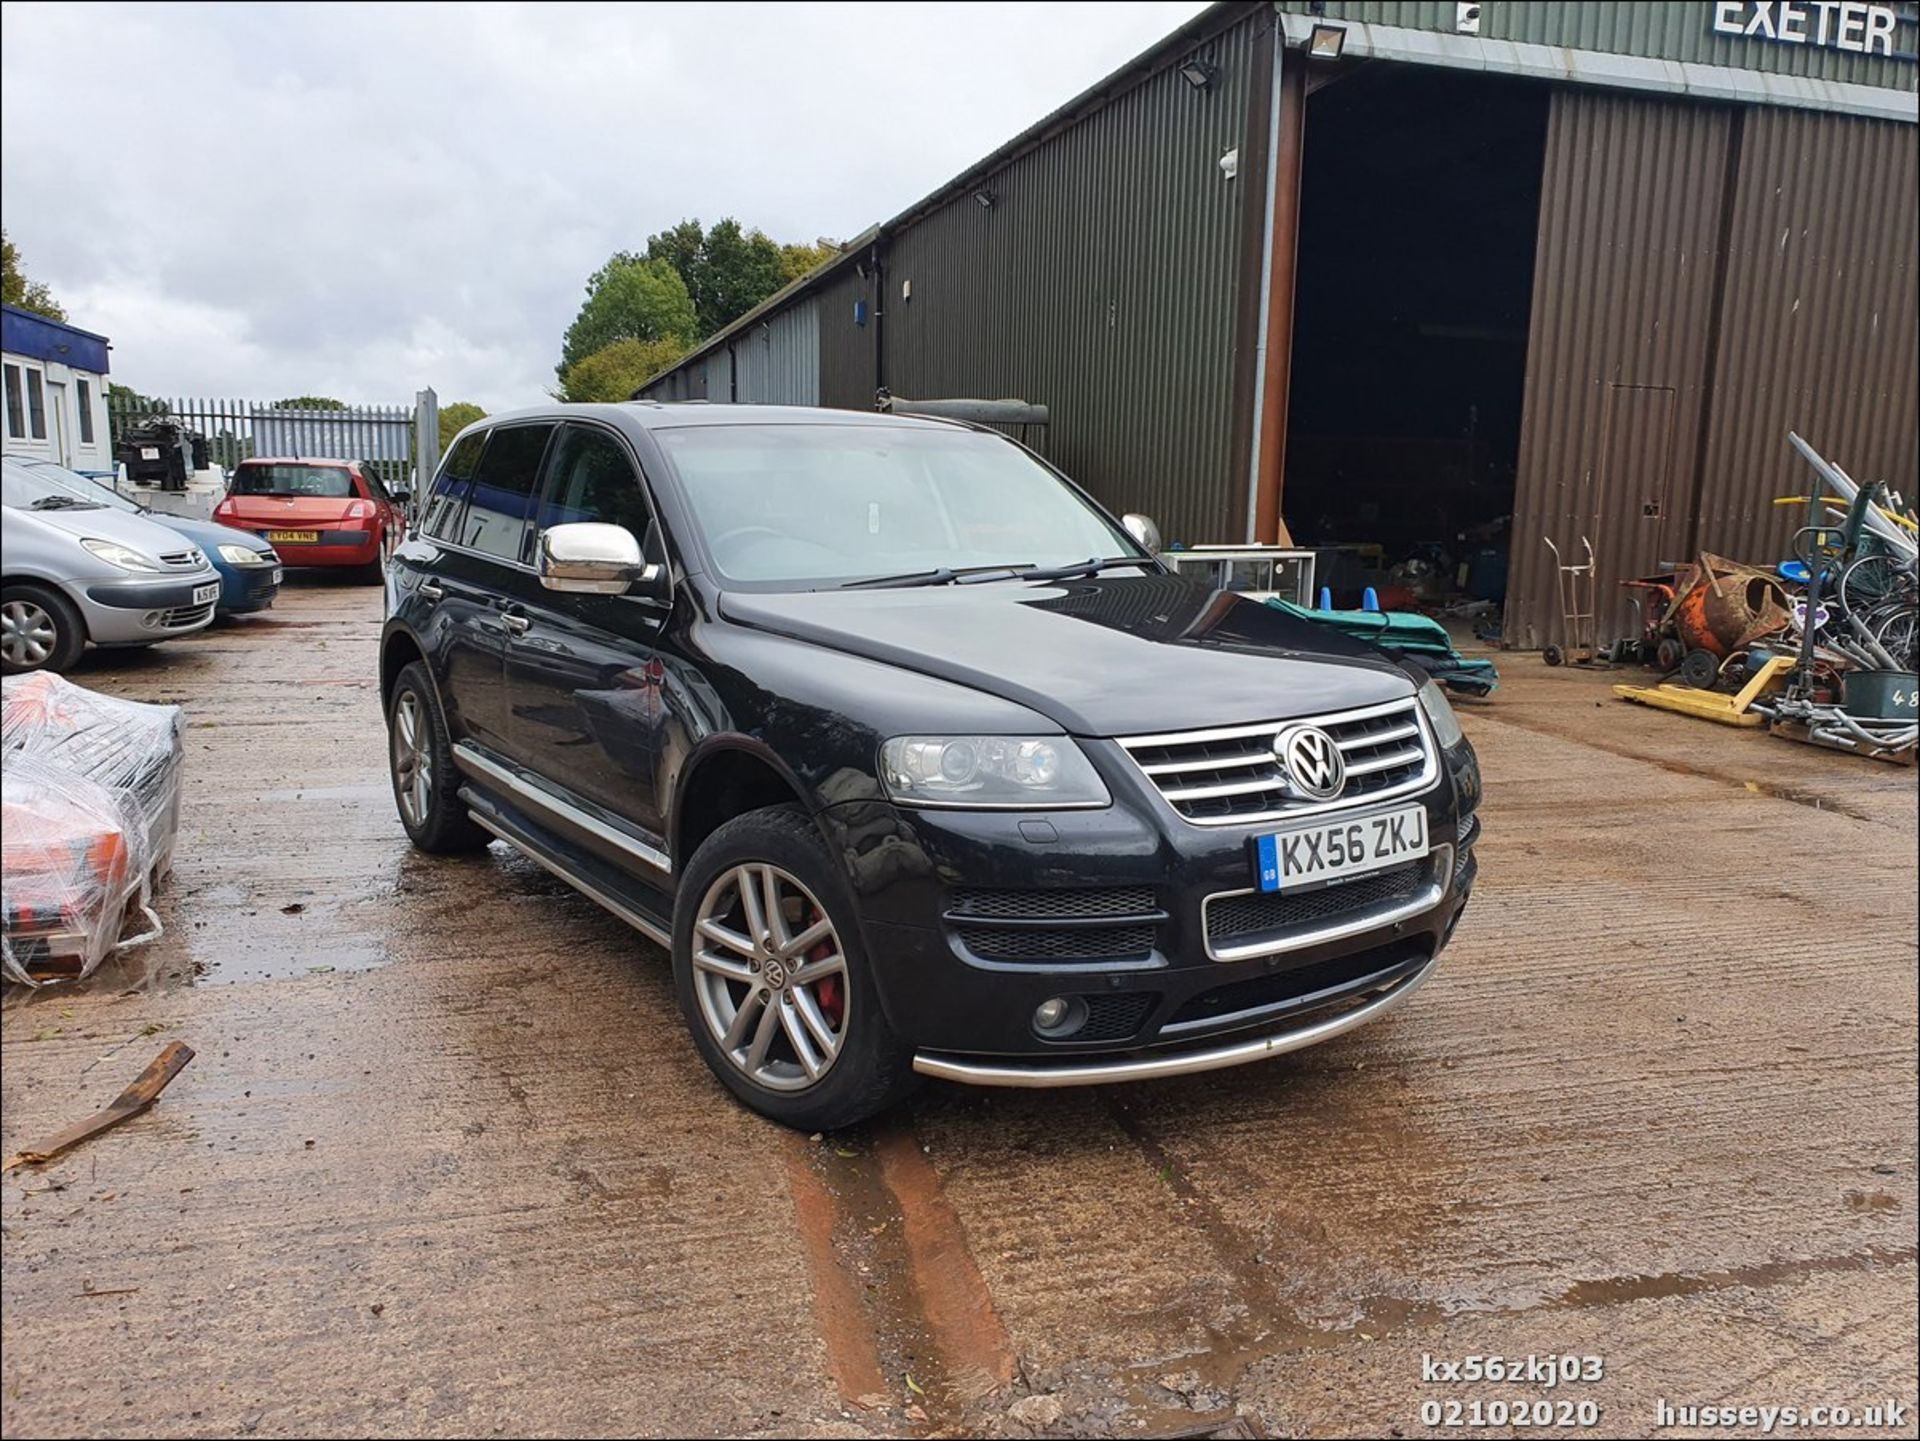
78,571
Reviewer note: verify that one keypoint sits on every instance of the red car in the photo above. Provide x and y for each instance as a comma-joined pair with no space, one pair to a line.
317,512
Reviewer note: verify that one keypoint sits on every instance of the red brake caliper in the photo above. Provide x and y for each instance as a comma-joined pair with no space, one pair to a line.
828,991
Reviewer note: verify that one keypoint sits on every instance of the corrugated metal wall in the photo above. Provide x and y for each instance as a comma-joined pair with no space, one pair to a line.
1679,30
717,368
1708,279
779,357
1103,283
1617,346
687,383
846,348
1819,330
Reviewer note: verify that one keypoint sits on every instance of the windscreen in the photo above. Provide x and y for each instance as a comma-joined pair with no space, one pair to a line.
809,506
326,481
24,488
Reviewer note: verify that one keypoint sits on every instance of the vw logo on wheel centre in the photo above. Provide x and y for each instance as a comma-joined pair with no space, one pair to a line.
1312,761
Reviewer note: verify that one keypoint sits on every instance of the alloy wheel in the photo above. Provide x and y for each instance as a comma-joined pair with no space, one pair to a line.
27,634
770,976
412,746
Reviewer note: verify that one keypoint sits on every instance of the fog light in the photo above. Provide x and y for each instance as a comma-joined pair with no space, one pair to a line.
151,620
1059,1017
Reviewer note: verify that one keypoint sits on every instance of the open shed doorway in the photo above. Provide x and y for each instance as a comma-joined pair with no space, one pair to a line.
1420,207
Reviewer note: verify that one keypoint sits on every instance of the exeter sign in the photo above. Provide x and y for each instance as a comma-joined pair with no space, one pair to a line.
1851,25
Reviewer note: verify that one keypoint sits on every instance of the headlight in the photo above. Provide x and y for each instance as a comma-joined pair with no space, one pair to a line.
1446,725
1025,772
127,558
242,555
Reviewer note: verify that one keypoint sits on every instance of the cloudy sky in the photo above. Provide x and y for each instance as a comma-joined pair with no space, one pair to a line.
260,200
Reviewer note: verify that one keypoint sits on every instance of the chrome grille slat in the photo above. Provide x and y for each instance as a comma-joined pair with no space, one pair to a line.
1229,788
1213,777
1376,738
1214,763
1381,763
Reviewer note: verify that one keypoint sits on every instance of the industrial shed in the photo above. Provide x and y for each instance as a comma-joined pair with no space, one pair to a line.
1437,278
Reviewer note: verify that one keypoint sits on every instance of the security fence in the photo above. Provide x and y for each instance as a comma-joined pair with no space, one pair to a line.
162,440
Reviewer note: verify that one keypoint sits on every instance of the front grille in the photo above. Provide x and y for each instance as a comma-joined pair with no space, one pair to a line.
184,559
1230,776
1231,917
1115,1016
184,615
1239,997
1052,905
1083,943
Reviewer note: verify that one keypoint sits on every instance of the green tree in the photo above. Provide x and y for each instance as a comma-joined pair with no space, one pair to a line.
309,402
628,298
727,270
16,289
796,260
124,399
456,418
616,371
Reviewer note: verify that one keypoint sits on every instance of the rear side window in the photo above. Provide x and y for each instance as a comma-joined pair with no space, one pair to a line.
440,518
590,478
503,491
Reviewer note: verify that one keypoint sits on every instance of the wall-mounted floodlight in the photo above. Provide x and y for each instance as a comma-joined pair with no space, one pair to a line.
1199,73
1327,41
984,198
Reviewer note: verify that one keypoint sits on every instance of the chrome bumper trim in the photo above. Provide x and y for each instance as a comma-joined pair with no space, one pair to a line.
1440,865
1095,1073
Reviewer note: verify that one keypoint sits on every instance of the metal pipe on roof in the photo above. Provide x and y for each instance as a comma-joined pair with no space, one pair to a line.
1271,442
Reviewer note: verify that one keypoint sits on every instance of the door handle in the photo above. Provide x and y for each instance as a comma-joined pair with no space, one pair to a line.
432,590
515,624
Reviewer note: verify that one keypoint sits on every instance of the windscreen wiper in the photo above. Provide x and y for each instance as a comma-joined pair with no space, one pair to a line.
1093,565
63,502
942,575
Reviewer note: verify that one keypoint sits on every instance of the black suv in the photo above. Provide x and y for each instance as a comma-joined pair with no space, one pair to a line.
915,758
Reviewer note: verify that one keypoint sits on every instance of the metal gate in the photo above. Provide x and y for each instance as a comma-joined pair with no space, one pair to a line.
397,440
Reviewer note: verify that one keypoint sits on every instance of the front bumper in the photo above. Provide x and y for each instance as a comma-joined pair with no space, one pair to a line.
1185,987
135,612
248,587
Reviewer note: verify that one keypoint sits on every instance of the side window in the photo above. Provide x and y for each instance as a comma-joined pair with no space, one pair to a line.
83,397
16,406
503,491
375,485
589,477
36,406
440,517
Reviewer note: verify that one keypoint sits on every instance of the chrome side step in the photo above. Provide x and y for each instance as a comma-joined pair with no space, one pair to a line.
481,767
600,895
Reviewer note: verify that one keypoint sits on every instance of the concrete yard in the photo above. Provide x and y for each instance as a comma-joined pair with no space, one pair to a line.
446,1162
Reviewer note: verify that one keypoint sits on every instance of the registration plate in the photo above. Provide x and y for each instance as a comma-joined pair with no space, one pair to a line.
204,593
1290,859
149,452
293,537
274,579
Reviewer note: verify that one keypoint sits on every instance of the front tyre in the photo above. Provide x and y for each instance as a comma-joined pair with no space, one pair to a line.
420,762
39,630
774,981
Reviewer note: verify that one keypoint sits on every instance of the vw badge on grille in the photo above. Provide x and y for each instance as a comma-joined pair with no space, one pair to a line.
1313,763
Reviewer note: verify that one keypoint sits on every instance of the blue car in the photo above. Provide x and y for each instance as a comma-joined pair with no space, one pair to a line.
250,570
